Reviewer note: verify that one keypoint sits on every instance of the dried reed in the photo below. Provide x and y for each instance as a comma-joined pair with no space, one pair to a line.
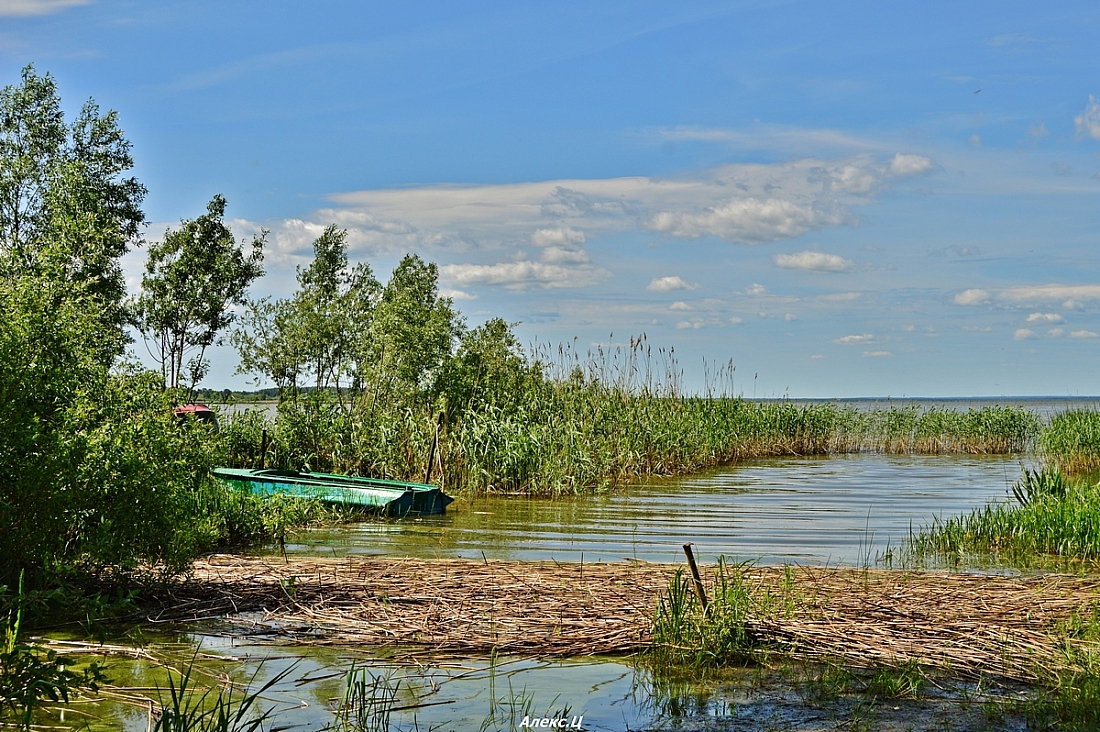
969,623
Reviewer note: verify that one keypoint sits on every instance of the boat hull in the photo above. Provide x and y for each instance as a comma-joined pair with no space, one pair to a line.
394,498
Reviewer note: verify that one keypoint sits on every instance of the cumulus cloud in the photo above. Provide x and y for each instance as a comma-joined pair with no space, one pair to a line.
522,275
972,297
789,317
562,236
849,339
1083,334
667,284
877,354
1056,332
748,221
1023,334
1045,318
813,262
694,323
755,289
736,320
1088,122
37,7
679,305
903,165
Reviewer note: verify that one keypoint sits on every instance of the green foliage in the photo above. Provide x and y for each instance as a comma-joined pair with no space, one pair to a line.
67,212
1057,517
1036,485
191,279
1073,441
319,336
228,710
30,674
686,636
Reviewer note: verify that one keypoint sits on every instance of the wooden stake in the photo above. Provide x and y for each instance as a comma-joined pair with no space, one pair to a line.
700,592
431,453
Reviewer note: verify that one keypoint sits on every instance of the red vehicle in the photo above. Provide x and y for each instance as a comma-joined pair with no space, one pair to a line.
200,412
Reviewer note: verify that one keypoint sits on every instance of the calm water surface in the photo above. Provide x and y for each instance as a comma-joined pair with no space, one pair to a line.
840,510
807,510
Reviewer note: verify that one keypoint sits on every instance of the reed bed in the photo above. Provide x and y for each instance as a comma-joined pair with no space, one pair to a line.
569,437
968,624
1072,441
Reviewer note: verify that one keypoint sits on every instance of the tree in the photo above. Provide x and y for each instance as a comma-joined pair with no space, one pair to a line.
413,332
191,279
489,368
67,211
317,333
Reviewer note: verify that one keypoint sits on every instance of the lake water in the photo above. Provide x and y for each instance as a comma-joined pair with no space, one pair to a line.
839,510
824,510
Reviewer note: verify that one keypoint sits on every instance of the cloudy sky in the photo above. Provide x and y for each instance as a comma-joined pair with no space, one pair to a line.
846,199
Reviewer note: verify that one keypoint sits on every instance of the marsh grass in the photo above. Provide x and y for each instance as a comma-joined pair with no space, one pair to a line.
577,435
1054,516
226,709
1072,441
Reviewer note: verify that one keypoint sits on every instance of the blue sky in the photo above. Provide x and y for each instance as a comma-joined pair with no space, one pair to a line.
818,191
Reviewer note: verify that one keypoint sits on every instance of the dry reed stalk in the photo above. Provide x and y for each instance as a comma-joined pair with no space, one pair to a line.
971,623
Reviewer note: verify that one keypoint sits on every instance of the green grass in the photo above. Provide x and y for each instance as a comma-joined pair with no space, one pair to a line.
1053,517
1072,441
570,437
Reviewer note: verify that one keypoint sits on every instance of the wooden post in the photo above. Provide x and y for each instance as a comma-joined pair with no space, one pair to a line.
263,448
700,592
431,453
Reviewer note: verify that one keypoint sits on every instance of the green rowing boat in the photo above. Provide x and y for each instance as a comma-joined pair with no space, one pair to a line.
392,497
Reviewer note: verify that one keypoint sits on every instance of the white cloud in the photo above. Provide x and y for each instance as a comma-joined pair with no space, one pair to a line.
685,324
1083,334
877,354
679,305
972,297
736,320
1023,334
522,275
562,236
748,220
37,7
974,141
789,317
755,289
1045,318
667,284
1038,130
1088,122
903,165
813,262
849,339
1052,292
457,294
816,357
1056,332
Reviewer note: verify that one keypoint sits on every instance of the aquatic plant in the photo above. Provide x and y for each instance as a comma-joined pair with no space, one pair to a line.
1055,516
228,709
1072,441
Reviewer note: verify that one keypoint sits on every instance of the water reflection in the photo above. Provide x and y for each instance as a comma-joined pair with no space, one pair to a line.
840,510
